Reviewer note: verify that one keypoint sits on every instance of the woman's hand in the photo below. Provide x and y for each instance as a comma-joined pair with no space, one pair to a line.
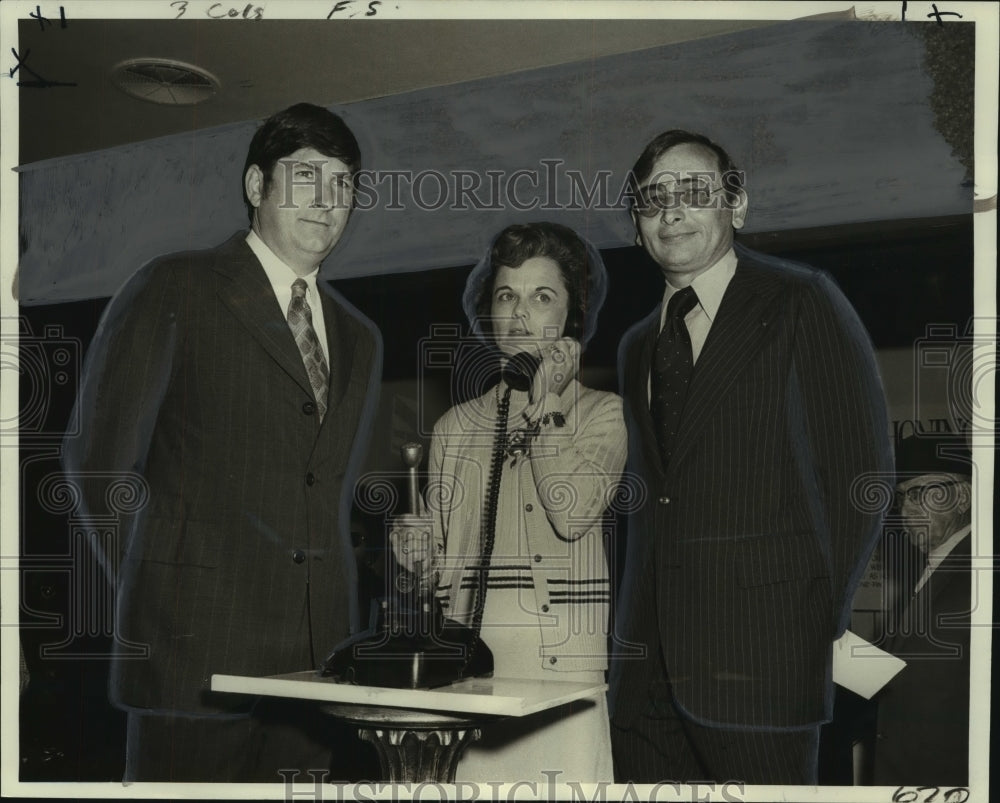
560,364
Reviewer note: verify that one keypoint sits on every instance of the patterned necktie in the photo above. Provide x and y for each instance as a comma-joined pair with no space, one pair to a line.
672,366
301,323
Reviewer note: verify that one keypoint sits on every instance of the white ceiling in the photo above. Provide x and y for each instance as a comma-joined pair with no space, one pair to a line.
830,121
266,65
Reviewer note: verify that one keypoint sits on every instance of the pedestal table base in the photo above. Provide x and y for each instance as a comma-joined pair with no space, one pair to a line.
413,746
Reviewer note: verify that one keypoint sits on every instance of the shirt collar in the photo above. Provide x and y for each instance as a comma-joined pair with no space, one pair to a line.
711,285
278,273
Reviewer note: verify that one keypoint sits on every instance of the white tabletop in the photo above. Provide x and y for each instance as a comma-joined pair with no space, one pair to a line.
515,697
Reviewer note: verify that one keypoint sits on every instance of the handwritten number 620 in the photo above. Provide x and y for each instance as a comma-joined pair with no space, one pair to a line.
912,795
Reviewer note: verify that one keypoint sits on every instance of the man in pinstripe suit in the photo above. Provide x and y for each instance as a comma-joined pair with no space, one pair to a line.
241,390
743,559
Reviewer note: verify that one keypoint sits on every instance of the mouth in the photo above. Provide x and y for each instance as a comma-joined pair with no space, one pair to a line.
316,222
518,331
674,237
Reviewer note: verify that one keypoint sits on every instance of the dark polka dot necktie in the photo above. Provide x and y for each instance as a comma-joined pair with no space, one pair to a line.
671,371
300,321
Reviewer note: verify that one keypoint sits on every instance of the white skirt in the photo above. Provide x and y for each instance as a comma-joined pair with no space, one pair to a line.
568,743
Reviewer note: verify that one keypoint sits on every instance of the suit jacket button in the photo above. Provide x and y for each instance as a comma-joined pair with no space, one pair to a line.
538,558
545,609
553,659
529,507
664,500
310,479
299,556
309,408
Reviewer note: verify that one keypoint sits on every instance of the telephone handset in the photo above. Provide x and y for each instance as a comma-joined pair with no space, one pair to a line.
412,645
520,369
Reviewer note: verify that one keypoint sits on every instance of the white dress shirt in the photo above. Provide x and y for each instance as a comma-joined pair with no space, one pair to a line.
281,278
710,287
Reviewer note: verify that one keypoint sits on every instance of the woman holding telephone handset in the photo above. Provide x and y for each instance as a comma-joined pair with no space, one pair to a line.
519,481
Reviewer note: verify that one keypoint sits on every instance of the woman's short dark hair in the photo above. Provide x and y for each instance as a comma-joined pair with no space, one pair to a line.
730,176
585,281
303,125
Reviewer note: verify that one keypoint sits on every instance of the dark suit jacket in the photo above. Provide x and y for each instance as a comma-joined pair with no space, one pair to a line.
744,557
923,713
240,560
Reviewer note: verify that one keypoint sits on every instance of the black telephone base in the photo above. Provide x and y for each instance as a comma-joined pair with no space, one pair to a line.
401,660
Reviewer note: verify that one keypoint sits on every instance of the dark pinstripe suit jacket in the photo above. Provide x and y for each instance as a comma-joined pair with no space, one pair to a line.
743,559
241,560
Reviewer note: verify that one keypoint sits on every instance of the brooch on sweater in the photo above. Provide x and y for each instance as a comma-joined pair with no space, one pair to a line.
519,443
519,440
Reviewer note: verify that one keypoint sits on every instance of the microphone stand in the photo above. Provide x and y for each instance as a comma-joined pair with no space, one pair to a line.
412,645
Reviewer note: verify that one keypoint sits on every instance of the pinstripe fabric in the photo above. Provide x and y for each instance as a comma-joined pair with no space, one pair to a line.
281,734
751,540
680,750
240,562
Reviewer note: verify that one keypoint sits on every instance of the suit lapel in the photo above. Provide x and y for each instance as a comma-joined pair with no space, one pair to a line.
739,330
249,296
636,385
954,568
341,343
350,372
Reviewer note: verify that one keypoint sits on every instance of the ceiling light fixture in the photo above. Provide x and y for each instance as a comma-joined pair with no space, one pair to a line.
165,81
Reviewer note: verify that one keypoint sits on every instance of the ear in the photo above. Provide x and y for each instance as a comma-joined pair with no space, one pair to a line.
253,183
740,210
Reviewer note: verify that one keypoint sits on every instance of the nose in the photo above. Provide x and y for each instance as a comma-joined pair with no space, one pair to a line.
519,307
672,214
323,196
329,194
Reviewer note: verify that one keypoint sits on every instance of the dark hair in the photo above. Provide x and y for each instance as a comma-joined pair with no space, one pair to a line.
303,125
731,176
522,241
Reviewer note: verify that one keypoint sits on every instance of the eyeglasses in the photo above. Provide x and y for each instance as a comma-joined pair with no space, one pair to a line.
921,493
653,199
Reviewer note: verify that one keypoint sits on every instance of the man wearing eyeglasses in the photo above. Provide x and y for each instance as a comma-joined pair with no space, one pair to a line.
756,415
923,713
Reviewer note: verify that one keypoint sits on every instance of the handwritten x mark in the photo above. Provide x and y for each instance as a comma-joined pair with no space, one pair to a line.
39,82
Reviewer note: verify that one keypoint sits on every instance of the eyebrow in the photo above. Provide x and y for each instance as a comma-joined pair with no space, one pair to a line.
540,287
316,164
339,175
689,180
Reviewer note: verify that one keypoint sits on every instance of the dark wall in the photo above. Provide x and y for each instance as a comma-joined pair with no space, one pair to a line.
899,279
